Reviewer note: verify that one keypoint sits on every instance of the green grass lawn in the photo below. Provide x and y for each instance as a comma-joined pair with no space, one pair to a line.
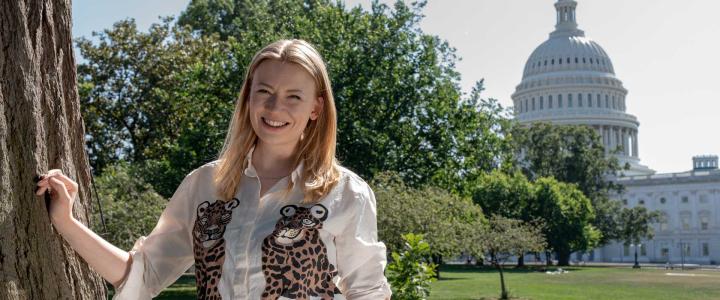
461,282
465,282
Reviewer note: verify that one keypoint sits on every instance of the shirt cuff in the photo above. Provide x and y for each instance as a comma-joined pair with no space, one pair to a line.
134,287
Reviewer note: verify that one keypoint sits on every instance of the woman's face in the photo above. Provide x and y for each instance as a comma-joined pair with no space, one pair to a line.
283,99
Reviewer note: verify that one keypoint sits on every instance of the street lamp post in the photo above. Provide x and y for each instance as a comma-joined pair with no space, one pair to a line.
636,265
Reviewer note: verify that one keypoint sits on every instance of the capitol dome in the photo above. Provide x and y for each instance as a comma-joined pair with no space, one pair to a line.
570,79
566,53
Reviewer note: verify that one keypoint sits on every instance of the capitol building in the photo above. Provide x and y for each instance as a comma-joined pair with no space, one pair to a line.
570,79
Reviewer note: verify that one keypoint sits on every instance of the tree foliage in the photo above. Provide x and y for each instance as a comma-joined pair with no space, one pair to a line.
636,224
130,206
572,154
160,99
410,272
567,216
449,223
505,237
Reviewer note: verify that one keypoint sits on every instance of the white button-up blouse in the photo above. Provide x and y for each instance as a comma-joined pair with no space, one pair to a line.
267,247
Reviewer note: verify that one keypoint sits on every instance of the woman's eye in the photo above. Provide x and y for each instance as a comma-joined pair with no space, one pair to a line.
262,91
295,97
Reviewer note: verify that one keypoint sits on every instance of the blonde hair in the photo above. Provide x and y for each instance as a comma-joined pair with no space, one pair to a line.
316,148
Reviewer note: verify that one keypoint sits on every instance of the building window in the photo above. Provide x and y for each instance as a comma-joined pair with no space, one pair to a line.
686,248
607,101
580,101
550,101
589,100
665,252
704,222
552,62
559,101
568,60
643,250
664,219
570,101
584,60
705,249
526,105
598,100
703,198
684,199
542,101
576,60
685,221
533,103
663,200
626,250
641,202
613,102
545,64
624,201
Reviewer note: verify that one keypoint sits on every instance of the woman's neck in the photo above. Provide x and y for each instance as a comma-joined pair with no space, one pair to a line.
272,161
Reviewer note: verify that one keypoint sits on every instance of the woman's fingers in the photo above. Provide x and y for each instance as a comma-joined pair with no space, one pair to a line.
69,183
59,186
43,184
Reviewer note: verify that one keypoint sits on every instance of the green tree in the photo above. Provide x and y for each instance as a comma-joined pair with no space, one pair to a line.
567,216
160,99
449,223
410,273
635,225
505,195
505,237
572,154
130,206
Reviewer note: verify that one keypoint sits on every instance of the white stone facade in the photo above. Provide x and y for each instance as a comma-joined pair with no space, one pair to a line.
690,203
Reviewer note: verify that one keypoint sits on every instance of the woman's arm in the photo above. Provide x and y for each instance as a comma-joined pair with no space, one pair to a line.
112,263
109,261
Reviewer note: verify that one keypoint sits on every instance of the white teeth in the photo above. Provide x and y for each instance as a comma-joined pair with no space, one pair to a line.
274,123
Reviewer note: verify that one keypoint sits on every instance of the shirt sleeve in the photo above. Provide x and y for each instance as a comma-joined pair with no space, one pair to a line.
160,258
361,258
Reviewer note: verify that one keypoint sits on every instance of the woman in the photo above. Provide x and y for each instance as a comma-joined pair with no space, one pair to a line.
275,216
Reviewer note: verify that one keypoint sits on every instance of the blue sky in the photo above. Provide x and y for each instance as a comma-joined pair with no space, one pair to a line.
664,51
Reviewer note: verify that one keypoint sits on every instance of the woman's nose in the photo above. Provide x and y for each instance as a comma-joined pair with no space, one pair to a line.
272,102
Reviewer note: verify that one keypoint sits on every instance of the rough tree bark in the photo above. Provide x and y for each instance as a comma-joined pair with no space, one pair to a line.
40,129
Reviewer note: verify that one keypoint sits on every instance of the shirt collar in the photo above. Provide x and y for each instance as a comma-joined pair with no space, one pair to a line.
251,172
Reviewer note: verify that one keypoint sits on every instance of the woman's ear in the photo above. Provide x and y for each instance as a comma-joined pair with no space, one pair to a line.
318,108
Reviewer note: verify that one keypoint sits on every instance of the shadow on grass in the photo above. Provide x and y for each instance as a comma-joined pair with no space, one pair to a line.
506,269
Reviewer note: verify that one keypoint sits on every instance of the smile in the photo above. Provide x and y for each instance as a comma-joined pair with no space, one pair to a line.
276,124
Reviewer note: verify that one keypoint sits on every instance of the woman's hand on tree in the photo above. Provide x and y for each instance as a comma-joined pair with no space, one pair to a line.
63,191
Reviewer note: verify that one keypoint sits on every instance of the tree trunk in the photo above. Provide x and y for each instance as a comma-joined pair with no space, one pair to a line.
437,260
503,290
563,258
40,129
521,261
548,258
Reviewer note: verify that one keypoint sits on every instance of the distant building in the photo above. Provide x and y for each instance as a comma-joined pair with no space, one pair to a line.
570,79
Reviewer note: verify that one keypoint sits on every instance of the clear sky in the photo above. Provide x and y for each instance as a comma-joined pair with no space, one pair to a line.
666,52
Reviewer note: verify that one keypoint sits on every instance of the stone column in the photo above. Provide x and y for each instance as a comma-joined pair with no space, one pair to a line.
602,136
635,149
624,136
623,141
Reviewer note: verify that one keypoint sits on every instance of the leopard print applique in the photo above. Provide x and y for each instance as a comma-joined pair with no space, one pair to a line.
209,245
295,261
